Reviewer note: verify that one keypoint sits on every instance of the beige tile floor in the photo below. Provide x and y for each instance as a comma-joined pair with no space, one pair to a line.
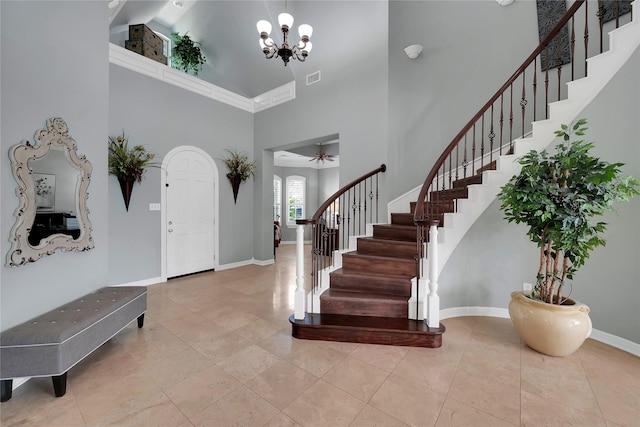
216,350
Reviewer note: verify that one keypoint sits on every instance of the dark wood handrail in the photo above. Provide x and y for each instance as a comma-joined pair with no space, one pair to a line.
339,193
419,214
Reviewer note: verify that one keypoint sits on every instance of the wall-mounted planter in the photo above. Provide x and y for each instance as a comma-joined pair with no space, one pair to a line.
126,186
235,181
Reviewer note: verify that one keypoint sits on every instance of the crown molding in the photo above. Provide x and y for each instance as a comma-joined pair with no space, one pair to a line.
143,65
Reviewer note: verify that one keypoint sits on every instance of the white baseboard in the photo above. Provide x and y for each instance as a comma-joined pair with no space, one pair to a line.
244,263
448,313
145,282
263,262
617,342
604,337
293,242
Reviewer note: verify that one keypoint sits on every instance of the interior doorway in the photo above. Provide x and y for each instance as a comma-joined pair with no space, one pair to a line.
189,212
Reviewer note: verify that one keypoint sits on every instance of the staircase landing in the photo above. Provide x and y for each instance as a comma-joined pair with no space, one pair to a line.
367,330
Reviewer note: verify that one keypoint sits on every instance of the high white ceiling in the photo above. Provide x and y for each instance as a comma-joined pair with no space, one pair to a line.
226,30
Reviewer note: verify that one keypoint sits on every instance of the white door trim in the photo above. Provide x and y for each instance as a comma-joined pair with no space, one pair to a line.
163,204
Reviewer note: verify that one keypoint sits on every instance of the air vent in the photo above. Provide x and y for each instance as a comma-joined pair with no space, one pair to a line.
313,78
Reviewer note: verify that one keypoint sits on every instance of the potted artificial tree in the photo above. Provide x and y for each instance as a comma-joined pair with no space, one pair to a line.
128,164
558,196
186,54
240,169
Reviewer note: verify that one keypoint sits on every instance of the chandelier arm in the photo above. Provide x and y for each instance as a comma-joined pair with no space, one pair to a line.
264,40
299,56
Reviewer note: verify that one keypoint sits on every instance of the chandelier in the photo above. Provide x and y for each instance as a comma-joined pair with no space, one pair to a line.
299,51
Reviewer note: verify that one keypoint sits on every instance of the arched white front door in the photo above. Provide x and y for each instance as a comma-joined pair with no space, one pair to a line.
189,212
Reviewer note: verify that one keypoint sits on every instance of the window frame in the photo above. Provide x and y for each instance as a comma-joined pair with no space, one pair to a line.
277,201
303,180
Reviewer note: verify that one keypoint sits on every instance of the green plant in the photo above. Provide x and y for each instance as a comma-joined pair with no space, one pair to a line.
128,163
186,54
557,196
239,165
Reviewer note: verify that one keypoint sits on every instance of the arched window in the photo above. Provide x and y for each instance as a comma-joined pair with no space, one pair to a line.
296,188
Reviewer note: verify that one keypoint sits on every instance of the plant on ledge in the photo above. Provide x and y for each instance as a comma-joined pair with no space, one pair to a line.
557,197
240,169
128,164
186,54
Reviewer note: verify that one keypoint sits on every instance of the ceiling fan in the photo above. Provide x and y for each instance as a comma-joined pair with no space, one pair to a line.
321,156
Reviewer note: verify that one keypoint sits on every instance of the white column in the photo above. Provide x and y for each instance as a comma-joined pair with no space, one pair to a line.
433,300
299,310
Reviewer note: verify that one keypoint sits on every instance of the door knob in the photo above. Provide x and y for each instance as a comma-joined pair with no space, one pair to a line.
170,230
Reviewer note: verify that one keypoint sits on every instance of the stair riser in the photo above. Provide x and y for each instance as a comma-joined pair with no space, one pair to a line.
387,248
461,183
391,267
363,307
455,193
371,284
402,219
439,217
367,337
488,167
437,207
393,233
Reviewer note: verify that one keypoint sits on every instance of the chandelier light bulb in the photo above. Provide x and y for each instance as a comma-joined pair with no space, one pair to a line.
305,30
264,27
285,20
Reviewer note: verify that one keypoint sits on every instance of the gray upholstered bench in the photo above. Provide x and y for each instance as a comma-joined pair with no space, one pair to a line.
51,344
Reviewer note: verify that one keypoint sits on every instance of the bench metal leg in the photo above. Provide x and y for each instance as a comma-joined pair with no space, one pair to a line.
60,384
7,389
141,320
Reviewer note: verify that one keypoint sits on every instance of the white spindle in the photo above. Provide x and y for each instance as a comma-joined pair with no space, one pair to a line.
433,300
299,310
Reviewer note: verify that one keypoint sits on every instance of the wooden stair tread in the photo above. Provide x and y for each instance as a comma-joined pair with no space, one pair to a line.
377,258
367,329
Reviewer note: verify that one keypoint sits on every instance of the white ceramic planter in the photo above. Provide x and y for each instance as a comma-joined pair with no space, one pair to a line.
554,330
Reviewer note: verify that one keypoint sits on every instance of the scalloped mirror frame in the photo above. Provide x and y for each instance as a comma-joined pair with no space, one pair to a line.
55,135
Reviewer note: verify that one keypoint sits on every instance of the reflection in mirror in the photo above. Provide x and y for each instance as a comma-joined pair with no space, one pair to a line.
52,191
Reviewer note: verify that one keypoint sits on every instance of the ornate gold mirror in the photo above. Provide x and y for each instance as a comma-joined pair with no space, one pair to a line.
52,187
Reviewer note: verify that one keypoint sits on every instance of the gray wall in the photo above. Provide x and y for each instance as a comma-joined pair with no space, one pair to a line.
349,101
49,70
329,179
161,116
470,49
608,283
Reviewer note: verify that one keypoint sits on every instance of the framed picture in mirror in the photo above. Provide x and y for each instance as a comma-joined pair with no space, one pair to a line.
45,189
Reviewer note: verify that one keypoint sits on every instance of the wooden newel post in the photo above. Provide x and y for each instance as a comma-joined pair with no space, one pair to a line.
299,311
